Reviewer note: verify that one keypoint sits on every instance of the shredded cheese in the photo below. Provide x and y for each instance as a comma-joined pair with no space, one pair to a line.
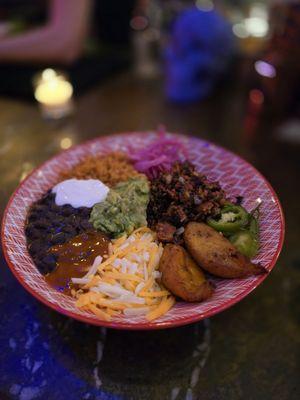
164,306
126,282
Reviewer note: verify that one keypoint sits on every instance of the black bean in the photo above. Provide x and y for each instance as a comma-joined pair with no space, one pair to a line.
76,221
85,212
47,200
32,232
51,230
45,268
33,216
55,208
70,220
57,229
56,223
58,238
40,208
49,259
78,230
41,223
68,236
28,229
66,210
48,215
85,224
69,229
35,246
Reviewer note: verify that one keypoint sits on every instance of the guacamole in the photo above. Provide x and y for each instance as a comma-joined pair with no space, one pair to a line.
124,208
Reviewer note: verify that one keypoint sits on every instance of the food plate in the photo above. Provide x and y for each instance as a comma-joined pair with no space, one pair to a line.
235,175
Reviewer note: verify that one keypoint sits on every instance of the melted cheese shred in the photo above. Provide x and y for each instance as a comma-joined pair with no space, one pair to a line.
126,282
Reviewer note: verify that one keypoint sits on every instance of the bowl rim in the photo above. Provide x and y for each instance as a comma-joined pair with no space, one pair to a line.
143,325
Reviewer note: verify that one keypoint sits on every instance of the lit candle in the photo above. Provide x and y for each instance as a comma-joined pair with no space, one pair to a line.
54,93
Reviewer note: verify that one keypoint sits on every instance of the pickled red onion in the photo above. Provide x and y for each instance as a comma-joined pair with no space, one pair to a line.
159,156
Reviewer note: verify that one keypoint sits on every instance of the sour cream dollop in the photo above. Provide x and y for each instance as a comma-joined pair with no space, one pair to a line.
80,192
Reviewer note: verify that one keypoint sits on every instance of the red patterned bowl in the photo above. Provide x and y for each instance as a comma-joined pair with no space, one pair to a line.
236,176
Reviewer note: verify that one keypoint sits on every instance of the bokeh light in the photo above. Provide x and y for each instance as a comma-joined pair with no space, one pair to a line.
265,69
66,143
256,96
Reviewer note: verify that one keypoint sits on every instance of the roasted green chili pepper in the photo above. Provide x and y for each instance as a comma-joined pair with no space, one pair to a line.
232,219
247,239
245,242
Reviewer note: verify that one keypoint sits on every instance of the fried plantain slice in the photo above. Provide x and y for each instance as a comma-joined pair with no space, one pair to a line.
215,254
182,276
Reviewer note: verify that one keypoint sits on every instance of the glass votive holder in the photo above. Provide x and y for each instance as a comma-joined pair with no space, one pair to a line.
54,92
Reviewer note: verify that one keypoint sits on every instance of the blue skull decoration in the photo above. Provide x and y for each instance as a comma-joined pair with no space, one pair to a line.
198,53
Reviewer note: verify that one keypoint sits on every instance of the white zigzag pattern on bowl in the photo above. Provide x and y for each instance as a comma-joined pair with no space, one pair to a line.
236,176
